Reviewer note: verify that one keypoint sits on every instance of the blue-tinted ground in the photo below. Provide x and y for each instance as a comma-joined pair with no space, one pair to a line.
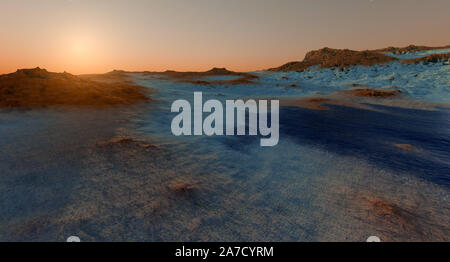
345,173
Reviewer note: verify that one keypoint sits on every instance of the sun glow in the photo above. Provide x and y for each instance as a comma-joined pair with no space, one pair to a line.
84,52
81,48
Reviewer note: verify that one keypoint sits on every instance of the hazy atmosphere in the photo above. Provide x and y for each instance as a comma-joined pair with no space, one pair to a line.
82,36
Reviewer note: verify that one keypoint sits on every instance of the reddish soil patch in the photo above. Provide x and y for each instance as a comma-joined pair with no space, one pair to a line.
374,93
317,100
382,207
407,147
182,188
394,219
198,82
117,141
390,213
124,141
40,88
336,58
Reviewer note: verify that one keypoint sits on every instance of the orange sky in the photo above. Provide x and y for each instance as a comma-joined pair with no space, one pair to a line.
82,36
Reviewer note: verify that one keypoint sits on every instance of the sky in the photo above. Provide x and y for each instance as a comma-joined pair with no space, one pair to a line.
85,36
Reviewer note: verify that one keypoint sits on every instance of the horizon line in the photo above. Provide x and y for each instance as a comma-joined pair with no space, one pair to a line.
221,67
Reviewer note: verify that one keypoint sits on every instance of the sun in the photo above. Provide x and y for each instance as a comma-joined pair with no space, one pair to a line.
81,48
82,52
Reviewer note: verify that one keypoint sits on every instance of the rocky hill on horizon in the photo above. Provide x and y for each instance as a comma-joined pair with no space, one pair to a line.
345,58
39,88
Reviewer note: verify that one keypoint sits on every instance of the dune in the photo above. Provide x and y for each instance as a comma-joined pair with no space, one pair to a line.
39,88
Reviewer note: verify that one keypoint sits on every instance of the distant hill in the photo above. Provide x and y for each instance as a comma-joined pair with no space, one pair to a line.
212,72
39,88
196,77
409,49
336,58
344,58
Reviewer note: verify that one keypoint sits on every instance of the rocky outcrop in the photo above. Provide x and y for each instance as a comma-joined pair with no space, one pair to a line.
336,58
39,88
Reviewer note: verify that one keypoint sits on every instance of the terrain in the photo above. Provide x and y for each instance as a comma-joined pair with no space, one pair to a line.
39,88
363,151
